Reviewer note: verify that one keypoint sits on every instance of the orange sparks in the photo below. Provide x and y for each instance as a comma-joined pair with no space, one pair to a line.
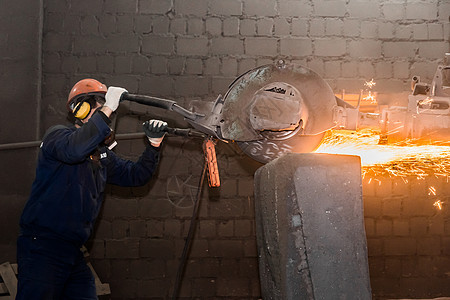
438,204
393,160
370,84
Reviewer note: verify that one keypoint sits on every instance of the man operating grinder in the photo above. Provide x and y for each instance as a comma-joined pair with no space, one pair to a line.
73,167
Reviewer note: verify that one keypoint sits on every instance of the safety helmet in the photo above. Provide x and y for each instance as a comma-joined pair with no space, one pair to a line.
76,103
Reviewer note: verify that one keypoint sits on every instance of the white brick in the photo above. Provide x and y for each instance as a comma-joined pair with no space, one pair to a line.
365,48
295,47
433,50
420,11
399,49
260,8
261,46
226,8
364,9
189,7
192,46
264,27
295,8
330,47
329,8
393,11
300,27
281,27
227,45
231,27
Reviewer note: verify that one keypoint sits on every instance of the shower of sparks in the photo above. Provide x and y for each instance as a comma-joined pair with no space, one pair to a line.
432,191
403,161
370,97
370,84
438,204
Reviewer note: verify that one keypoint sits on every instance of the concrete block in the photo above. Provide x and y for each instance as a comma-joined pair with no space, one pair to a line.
176,65
399,49
195,27
160,25
226,8
233,287
317,27
228,208
122,43
211,66
300,27
330,8
403,32
333,27
140,64
156,248
227,46
194,66
120,229
364,9
422,11
386,30
126,248
436,32
120,6
89,25
392,207
351,27
187,7
420,31
383,69
433,50
310,231
243,228
296,47
229,66
226,248
159,65
247,27
400,246
225,229
365,48
430,246
402,71
178,26
282,27
291,8
393,11
191,86
349,69
330,47
154,6
231,27
401,227
383,227
192,46
260,8
444,11
369,29
264,27
213,26
158,45
261,46
125,24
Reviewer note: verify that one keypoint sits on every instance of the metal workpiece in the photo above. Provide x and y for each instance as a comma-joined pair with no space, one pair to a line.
310,228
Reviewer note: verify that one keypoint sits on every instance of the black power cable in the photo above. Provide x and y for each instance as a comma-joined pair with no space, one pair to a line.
190,236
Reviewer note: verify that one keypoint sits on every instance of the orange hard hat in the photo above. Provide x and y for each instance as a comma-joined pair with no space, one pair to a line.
83,88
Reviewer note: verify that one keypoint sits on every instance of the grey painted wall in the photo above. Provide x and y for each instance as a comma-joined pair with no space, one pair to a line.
187,50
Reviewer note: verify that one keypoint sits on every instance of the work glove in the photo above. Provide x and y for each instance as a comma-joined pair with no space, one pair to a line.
112,97
155,131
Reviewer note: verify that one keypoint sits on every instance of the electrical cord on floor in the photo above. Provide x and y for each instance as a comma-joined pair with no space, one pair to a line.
190,236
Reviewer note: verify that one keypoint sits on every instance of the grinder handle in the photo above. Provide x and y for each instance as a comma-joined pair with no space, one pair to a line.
161,103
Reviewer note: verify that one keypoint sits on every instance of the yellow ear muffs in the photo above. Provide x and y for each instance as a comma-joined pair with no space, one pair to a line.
82,110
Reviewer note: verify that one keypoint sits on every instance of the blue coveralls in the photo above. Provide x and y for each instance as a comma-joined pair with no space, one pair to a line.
65,200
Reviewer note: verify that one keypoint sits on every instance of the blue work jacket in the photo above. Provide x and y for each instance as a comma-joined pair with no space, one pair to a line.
68,190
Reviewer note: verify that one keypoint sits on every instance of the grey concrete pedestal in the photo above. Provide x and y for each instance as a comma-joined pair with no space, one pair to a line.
310,228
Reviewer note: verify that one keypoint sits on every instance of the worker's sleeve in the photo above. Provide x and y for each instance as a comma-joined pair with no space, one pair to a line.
128,173
74,145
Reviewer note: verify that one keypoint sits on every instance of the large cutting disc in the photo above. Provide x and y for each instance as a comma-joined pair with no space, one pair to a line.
317,101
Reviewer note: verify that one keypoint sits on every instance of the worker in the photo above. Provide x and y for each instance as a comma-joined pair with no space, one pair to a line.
74,165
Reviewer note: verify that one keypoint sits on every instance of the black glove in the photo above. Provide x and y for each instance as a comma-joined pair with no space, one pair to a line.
155,131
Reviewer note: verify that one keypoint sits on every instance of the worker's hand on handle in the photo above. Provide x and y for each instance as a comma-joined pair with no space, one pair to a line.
155,131
113,96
